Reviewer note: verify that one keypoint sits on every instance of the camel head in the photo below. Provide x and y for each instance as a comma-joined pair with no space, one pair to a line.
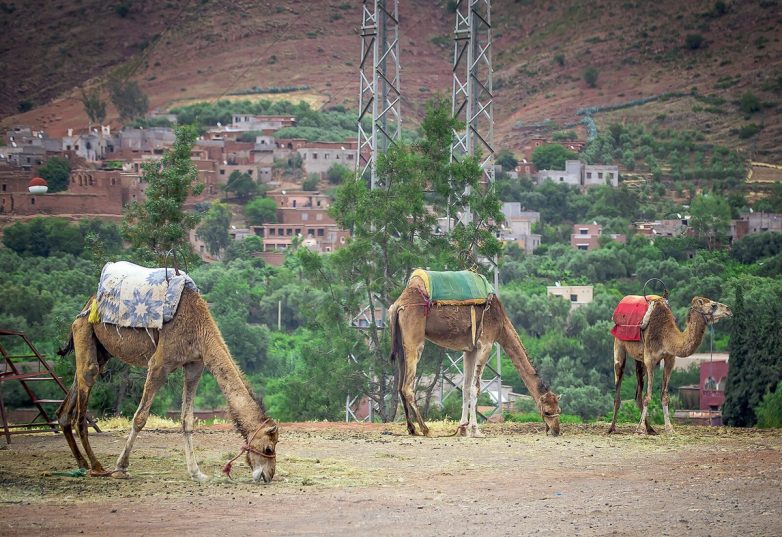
549,409
262,455
712,311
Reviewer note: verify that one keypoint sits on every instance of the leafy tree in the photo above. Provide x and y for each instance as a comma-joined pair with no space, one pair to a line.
506,159
44,237
241,184
590,76
749,103
552,157
338,173
310,183
214,228
769,411
94,106
260,211
392,234
244,249
159,225
57,172
128,98
694,41
710,217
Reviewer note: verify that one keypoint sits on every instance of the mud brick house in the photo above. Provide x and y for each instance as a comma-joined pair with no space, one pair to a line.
518,227
587,236
318,157
576,173
577,295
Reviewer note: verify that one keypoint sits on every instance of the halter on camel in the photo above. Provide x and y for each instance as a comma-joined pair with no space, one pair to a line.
248,448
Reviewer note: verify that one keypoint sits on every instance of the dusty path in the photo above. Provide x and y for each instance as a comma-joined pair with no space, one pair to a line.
360,480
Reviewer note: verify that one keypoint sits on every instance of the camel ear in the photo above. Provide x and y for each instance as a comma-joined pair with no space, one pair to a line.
559,397
272,431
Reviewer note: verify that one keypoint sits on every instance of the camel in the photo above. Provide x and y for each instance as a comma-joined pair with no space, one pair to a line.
661,340
456,327
192,341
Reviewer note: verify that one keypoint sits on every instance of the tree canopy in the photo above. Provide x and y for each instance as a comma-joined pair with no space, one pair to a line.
57,172
552,157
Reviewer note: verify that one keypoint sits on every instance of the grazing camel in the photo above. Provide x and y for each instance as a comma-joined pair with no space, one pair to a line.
192,341
459,327
661,340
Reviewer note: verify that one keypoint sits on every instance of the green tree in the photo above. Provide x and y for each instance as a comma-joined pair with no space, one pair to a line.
552,157
57,172
749,103
260,211
590,76
338,174
44,237
506,159
710,218
94,106
214,228
160,225
392,234
694,41
769,411
241,184
310,183
127,97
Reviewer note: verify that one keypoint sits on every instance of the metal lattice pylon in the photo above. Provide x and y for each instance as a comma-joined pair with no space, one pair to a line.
472,105
379,90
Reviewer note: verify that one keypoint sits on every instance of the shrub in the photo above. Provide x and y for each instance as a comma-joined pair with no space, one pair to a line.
749,103
590,76
769,411
24,106
311,182
748,131
694,41
559,58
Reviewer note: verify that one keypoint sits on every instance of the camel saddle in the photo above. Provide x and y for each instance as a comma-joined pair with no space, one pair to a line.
630,316
455,288
137,297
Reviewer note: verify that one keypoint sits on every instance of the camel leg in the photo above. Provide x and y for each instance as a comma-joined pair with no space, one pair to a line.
483,352
193,372
156,376
640,372
65,416
620,356
643,425
468,369
87,372
669,361
407,381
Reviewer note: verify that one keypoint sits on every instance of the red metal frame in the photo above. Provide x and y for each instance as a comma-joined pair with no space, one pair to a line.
14,371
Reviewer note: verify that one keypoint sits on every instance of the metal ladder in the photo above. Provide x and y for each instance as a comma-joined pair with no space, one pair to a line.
43,421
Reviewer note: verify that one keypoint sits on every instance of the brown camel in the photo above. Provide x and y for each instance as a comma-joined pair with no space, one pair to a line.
191,340
661,340
451,326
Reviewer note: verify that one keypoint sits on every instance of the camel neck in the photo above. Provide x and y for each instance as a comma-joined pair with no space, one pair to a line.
245,410
688,341
510,341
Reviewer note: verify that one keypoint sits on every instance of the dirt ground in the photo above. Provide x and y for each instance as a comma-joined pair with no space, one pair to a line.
337,479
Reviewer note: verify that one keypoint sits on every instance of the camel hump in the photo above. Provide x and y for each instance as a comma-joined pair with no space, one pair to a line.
631,316
455,287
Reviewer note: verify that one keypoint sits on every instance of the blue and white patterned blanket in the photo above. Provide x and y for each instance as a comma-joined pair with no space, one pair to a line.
134,296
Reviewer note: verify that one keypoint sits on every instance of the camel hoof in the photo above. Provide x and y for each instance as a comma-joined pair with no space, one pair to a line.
461,430
642,432
611,430
669,430
200,477
120,474
427,433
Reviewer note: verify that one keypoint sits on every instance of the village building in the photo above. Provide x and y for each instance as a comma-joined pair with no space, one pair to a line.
318,157
664,228
576,173
517,228
577,295
587,236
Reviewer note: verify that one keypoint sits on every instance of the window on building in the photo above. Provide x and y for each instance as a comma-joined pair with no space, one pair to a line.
583,247
32,201
297,231
289,232
325,156
610,175
599,175
350,156
574,298
583,231
589,175
222,172
320,232
314,156
4,187
305,217
271,232
561,179
319,217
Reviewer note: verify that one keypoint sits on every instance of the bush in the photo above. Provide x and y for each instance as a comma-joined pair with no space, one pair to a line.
590,76
769,411
694,41
748,131
24,106
749,103
311,182
56,171
559,58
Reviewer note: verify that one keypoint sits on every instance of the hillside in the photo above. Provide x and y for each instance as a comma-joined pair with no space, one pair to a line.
183,50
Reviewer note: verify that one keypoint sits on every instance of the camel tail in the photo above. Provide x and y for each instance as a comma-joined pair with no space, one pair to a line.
68,348
397,349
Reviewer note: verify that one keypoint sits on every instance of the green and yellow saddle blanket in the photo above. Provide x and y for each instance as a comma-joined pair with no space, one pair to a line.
455,288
